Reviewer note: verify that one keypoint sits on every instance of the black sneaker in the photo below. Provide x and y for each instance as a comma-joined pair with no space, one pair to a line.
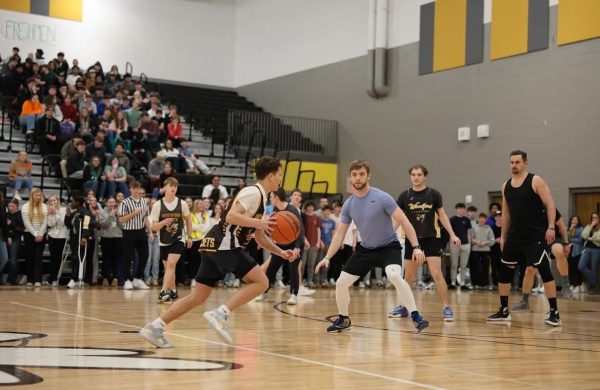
174,295
164,296
553,318
341,324
501,315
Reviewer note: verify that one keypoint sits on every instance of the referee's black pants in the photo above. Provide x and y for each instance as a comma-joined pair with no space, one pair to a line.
135,240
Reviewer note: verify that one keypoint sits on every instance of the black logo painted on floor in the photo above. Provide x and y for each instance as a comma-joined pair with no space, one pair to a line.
18,355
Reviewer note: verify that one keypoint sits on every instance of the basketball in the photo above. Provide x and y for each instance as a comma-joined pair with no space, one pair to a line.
286,229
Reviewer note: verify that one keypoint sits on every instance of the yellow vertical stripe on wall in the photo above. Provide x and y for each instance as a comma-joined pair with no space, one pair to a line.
509,28
16,5
449,34
578,20
67,9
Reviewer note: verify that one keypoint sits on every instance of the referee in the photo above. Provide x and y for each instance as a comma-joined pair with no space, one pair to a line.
133,215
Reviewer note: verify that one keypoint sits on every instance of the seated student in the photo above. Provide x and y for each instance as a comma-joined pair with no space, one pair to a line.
31,111
193,162
19,173
76,161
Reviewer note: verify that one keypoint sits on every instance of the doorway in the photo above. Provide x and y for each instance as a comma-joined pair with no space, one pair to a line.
585,201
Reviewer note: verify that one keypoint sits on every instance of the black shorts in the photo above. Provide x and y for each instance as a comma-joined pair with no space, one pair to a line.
525,254
364,259
215,265
176,248
432,247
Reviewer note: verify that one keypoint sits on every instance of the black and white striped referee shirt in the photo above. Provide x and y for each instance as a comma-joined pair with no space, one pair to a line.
127,206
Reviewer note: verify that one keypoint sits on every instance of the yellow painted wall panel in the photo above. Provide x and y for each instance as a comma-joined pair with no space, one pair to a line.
16,5
509,28
449,34
578,20
67,9
324,172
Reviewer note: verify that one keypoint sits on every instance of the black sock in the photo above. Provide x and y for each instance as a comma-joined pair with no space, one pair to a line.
553,305
526,298
504,301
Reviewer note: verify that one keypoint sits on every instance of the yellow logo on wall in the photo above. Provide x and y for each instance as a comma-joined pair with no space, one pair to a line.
62,9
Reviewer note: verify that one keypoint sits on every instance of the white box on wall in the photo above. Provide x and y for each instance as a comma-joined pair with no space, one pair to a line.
464,133
483,131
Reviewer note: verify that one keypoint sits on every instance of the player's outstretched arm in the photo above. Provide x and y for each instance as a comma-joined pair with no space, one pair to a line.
336,243
265,242
400,218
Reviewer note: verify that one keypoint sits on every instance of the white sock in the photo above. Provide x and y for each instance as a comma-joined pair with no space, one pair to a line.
224,309
158,323
342,291
403,291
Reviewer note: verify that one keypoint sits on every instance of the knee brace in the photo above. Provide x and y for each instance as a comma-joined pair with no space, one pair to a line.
394,272
505,273
545,272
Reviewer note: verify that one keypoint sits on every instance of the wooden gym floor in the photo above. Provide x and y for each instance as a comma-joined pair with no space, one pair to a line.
53,338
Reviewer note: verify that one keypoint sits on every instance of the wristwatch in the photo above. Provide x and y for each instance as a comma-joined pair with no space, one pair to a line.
417,247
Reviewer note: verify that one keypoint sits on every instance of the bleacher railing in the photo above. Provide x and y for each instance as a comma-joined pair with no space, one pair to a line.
289,132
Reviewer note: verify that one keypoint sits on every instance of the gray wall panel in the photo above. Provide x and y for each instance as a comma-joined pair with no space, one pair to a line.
545,103
426,38
474,35
538,22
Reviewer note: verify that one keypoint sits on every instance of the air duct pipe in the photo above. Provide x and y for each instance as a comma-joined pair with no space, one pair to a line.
377,49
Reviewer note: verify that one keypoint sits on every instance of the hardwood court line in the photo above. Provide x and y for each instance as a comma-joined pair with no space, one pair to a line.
454,337
274,354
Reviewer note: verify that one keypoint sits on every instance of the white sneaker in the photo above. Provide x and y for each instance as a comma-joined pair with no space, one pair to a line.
139,284
193,284
71,284
55,284
261,298
421,285
361,284
292,300
127,285
17,197
305,291
236,283
37,285
30,284
23,281
331,282
576,290
430,286
219,321
279,285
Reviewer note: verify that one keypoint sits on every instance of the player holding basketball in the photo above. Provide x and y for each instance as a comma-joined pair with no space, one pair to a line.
222,252
528,228
167,218
424,208
371,209
279,204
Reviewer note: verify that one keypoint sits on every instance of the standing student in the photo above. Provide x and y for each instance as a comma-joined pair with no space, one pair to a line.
133,215
279,204
35,219
57,236
463,230
168,216
424,208
528,229
111,241
222,252
15,230
483,239
372,210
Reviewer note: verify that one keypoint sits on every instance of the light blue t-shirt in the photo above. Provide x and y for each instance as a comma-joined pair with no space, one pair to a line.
372,215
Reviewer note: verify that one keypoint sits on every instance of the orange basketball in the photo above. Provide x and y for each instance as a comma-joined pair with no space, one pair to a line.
286,228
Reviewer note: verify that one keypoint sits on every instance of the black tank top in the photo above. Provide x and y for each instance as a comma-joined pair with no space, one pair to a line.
528,220
171,234
224,236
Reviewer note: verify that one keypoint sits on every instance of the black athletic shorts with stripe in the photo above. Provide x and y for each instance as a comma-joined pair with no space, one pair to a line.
215,265
527,254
